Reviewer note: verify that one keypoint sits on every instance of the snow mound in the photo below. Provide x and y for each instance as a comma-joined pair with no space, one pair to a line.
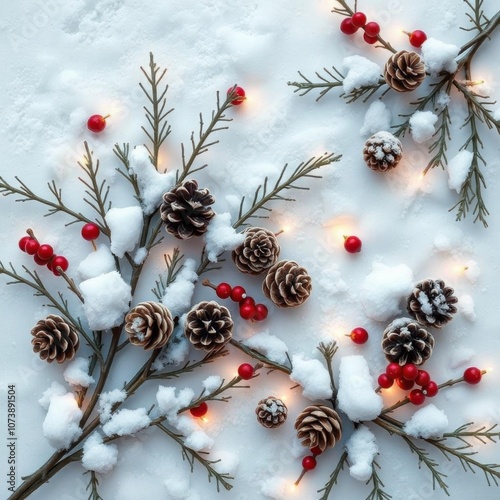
55,389
362,449
126,422
126,227
169,403
312,376
466,307
428,422
107,400
98,456
439,56
377,117
422,125
269,345
458,169
221,236
360,72
60,426
77,373
274,487
178,294
99,262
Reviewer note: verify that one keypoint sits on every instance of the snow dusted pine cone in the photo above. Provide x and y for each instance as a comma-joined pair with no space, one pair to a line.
404,71
149,325
405,341
55,339
258,252
382,151
287,284
185,210
208,326
271,412
319,425
432,303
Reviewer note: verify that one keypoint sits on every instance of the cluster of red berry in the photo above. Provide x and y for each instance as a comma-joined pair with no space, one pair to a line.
248,308
43,254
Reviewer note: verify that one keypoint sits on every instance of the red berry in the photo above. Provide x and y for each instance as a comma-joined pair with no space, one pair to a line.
472,375
370,39
247,311
239,92
417,38
247,301
358,19
22,242
359,335
238,293
31,246
431,389
309,463
200,410
404,384
352,244
410,371
45,252
347,27
372,29
393,371
316,450
90,231
385,381
96,123
417,397
423,378
245,371
49,264
223,290
59,261
261,312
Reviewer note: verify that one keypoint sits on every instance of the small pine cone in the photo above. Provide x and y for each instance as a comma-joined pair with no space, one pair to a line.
149,325
208,326
319,425
405,341
432,303
271,412
258,252
185,210
404,71
382,151
55,339
287,284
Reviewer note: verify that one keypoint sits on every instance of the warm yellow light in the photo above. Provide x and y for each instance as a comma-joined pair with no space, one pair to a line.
205,420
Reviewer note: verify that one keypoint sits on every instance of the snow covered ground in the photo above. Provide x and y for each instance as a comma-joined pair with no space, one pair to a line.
62,62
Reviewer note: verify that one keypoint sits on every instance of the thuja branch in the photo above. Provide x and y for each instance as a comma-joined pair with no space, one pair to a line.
173,263
92,486
483,434
334,477
328,352
377,492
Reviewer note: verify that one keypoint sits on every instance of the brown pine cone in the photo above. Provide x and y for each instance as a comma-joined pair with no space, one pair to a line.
432,303
258,252
149,325
382,151
55,339
271,412
404,71
319,425
208,326
405,341
287,284
185,210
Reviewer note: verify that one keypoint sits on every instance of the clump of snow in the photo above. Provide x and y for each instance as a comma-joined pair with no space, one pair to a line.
152,184
359,72
107,400
458,169
428,422
227,462
98,456
212,383
169,403
357,397
126,227
125,422
472,271
176,350
460,356
199,440
140,255
312,376
55,389
362,449
274,487
422,125
107,298
383,289
60,426
377,117
77,373
466,307
178,294
178,485
439,56
221,236
96,263
442,100
269,345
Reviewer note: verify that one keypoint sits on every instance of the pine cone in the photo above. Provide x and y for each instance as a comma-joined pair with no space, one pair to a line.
382,151
404,71
271,412
149,325
208,326
287,284
258,252
54,338
432,303
319,425
185,210
405,341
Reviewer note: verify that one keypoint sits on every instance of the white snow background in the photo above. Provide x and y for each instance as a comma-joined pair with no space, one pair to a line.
63,61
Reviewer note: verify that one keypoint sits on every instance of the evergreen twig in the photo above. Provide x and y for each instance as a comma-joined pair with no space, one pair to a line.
92,486
328,352
122,153
377,493
334,476
173,268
